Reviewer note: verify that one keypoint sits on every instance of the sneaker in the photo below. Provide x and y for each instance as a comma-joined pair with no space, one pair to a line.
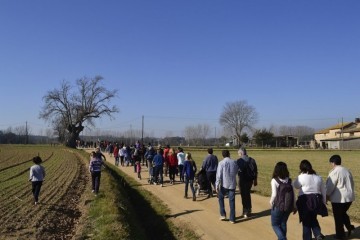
162,185
222,218
320,237
92,191
245,216
232,222
36,203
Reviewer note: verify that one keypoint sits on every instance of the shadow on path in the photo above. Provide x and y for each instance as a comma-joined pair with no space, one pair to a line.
181,213
255,215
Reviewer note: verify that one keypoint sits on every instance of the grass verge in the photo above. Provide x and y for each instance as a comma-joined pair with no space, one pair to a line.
124,210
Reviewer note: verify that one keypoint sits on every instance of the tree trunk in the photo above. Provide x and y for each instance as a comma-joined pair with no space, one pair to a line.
72,140
74,135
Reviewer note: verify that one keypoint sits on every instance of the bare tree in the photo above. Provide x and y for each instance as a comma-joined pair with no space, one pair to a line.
197,134
69,110
238,116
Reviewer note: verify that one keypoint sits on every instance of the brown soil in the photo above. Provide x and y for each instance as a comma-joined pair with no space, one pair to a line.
58,213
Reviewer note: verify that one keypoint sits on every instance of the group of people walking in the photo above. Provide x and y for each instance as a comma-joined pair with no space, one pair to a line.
313,195
223,177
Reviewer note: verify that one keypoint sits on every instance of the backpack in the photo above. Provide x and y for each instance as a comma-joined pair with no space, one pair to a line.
284,199
249,170
150,154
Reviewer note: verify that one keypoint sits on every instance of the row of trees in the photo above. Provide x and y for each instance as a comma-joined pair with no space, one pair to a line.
69,109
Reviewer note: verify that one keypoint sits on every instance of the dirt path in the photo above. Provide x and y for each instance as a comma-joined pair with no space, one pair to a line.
204,213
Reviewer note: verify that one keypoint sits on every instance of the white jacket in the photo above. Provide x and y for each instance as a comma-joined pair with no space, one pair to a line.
340,185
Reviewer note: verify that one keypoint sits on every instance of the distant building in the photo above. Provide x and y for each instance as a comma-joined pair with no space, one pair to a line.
340,136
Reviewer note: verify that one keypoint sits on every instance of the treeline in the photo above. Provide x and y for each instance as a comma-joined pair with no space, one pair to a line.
12,138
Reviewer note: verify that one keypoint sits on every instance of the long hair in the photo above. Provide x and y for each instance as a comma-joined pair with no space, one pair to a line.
188,156
305,167
281,171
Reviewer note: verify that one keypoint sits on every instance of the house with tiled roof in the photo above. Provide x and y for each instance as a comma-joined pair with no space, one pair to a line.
340,136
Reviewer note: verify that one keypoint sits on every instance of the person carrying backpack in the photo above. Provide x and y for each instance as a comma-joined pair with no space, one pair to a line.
282,199
247,177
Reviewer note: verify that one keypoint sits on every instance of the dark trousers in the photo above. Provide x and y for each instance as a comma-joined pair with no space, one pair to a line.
36,186
181,167
172,173
211,177
95,181
245,192
310,225
341,218
158,172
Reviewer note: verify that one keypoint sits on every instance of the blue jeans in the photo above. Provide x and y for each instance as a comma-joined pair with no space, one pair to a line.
231,194
278,223
191,182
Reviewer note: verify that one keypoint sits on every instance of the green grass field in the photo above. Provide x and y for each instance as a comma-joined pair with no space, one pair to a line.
266,160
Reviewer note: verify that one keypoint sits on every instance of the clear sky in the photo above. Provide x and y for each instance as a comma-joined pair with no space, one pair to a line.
178,62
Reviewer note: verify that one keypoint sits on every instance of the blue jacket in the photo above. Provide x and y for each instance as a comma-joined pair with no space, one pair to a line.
210,163
189,169
158,160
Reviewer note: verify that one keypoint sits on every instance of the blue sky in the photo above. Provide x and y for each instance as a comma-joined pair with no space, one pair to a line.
178,62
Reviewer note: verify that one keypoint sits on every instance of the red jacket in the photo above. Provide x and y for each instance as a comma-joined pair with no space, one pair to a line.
172,160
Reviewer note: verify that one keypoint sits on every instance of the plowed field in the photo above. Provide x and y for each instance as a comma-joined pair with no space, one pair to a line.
58,212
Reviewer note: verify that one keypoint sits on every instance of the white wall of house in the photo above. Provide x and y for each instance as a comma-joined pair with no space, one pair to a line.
334,144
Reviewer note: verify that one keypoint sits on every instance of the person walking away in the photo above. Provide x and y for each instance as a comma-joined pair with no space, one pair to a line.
138,169
247,174
158,167
95,170
173,164
149,155
166,159
210,165
135,155
282,200
127,155
311,190
226,184
122,152
181,160
111,149
188,173
37,176
142,155
116,154
340,192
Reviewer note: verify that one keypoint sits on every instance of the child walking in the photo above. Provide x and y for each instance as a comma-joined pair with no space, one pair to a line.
138,169
95,170
188,172
37,175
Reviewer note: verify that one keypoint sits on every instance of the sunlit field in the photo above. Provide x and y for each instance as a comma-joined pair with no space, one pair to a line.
20,219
